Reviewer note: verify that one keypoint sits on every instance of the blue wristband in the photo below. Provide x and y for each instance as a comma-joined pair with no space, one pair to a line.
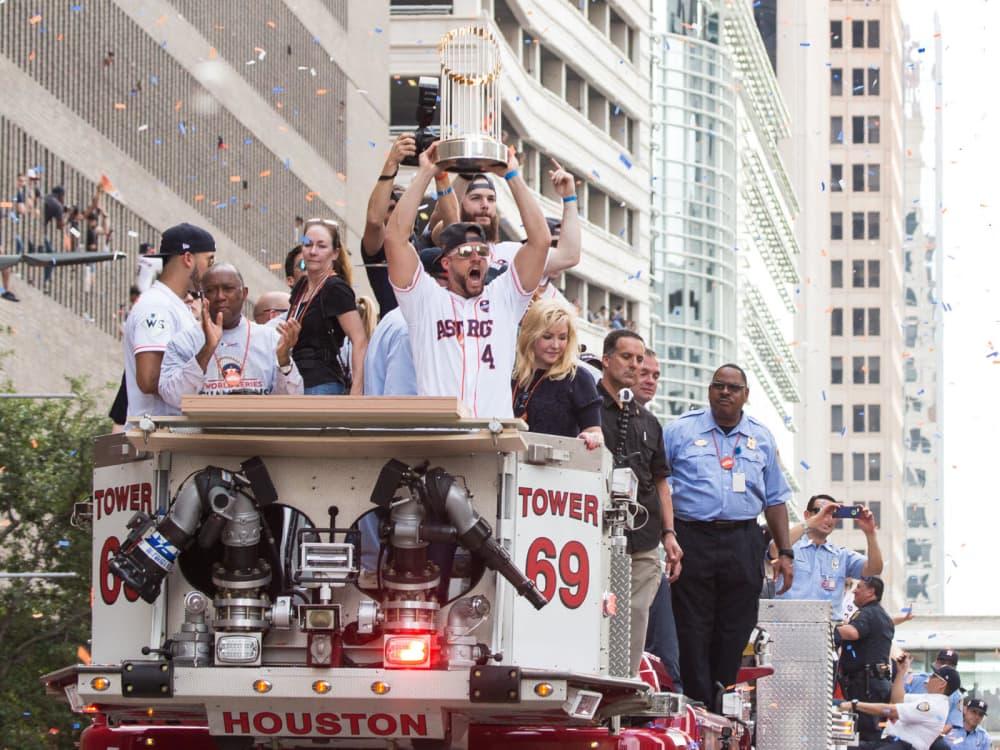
511,175
569,199
445,192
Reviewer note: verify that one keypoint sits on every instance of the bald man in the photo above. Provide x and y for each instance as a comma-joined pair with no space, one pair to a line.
269,306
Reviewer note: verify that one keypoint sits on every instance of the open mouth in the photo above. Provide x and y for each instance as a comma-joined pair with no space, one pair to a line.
475,274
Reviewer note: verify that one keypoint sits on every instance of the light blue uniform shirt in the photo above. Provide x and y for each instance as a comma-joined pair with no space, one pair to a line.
959,739
702,490
820,573
916,682
389,367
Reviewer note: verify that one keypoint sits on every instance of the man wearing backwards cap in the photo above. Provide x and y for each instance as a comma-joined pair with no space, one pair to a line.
968,735
187,252
915,720
917,683
463,337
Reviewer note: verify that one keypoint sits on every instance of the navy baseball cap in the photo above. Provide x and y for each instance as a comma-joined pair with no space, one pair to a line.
184,238
976,704
430,258
458,234
948,656
480,182
950,676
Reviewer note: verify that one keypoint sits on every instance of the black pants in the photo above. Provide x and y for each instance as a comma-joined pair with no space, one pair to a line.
715,602
868,691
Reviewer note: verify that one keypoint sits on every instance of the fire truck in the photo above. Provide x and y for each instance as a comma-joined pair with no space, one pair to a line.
289,572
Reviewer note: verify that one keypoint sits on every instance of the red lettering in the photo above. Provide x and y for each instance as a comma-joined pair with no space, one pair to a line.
413,725
590,509
525,493
121,498
577,580
273,725
539,554
291,727
538,502
146,490
355,720
98,496
576,506
557,501
109,501
327,724
374,728
109,584
229,723
133,493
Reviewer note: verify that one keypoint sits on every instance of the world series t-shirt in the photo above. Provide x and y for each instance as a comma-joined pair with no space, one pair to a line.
157,317
464,347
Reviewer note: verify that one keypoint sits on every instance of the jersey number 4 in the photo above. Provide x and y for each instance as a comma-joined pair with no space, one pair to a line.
487,356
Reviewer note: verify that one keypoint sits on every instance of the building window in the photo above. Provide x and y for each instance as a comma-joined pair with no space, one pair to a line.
874,225
836,418
837,274
858,82
836,130
836,225
857,177
874,467
873,87
857,130
875,506
858,467
836,370
874,178
858,420
874,370
836,467
874,274
857,225
857,274
837,321
836,81
873,34
857,34
874,418
874,321
836,34
874,128
858,370
858,321
836,178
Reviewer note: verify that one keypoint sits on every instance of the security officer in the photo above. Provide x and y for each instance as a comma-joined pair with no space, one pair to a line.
967,735
724,473
864,671
916,682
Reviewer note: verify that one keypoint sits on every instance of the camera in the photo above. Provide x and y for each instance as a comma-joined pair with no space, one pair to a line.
427,106
848,511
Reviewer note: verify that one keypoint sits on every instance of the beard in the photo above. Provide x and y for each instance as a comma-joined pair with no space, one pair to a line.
492,231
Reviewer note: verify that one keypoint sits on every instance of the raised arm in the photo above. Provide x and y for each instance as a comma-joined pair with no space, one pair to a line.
378,201
567,251
400,254
530,259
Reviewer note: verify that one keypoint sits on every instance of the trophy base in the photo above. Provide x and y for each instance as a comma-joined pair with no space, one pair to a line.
470,154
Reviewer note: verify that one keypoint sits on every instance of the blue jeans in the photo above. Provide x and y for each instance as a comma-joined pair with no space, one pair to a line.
661,633
325,389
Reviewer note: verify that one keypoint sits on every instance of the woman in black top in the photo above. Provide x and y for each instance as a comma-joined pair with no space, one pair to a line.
323,302
550,392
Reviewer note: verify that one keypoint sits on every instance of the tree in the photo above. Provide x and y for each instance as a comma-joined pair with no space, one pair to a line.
45,467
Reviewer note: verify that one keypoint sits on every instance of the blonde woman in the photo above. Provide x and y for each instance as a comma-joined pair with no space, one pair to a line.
550,393
323,302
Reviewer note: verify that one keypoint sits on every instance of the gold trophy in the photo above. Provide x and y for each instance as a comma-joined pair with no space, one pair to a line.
470,101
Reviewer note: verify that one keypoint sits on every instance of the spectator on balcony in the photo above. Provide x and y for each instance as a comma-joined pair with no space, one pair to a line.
617,321
54,214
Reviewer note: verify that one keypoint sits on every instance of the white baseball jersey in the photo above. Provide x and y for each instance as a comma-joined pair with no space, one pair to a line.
502,257
232,369
465,347
157,317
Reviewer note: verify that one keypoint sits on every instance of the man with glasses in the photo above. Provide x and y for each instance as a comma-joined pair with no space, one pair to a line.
968,735
270,305
864,671
916,682
464,336
724,473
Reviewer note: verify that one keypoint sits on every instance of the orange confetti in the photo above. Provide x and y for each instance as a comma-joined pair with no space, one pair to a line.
340,203
310,195
35,19
31,56
59,37
106,184
199,198
161,20
276,266
34,443
212,53
119,105
321,92
341,176
265,173
177,105
272,25
6,204
235,178
279,105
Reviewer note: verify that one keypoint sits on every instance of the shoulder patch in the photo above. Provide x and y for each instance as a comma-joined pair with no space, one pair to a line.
924,706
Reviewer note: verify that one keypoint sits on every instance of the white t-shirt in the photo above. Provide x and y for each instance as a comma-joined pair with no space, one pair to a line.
157,317
465,347
231,370
921,718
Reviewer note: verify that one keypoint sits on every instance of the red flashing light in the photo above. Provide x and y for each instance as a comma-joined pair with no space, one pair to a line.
407,651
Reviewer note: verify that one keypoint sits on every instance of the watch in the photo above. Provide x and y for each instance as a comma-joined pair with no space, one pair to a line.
854,704
667,531
285,369
789,553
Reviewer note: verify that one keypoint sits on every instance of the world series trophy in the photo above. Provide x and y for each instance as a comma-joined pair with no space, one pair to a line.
470,101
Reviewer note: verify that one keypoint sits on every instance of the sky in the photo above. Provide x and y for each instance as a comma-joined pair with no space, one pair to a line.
971,287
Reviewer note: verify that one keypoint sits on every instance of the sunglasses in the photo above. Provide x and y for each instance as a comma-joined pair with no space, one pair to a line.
730,387
467,251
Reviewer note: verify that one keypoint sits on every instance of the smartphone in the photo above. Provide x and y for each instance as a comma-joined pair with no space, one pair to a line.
848,511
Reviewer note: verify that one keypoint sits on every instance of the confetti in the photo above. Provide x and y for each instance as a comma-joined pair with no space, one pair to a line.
62,543
119,105
34,443
322,92
235,178
625,160
805,44
265,173
804,465
35,20
144,126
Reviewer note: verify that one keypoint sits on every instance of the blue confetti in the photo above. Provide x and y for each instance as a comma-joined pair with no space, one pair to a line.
154,81
76,8
288,163
278,90
75,725
921,50
221,205
378,29
617,110
823,394
247,141
182,127
371,144
805,44
804,465
62,543
625,160
595,174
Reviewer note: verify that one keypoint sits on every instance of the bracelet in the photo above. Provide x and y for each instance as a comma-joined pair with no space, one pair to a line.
786,553
667,531
569,199
511,175
384,177
442,193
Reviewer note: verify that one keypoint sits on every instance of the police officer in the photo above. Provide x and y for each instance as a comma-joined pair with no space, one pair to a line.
864,671
968,735
724,473
916,682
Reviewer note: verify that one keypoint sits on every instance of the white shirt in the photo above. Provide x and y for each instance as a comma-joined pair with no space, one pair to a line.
231,369
157,317
465,347
921,718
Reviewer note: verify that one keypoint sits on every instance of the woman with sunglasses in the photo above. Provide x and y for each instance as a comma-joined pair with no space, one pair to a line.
323,302
550,393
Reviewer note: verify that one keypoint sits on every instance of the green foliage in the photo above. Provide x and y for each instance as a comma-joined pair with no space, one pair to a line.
45,467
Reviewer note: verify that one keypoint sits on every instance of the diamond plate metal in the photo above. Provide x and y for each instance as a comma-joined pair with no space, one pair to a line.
619,633
794,706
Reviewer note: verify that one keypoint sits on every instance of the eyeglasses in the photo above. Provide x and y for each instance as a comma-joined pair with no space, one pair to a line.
466,251
276,310
730,387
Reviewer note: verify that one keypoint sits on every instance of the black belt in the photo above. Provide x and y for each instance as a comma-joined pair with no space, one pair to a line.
881,671
721,524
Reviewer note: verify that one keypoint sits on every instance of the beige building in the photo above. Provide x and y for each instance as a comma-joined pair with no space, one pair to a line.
839,64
